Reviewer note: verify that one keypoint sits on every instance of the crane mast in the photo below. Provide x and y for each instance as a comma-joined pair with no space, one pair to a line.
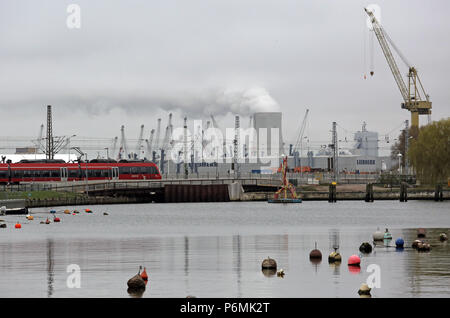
416,100
300,134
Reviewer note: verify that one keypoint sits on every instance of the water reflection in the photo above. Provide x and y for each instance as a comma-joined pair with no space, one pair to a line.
50,274
223,266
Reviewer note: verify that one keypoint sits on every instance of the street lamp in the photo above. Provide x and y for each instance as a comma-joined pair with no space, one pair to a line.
400,163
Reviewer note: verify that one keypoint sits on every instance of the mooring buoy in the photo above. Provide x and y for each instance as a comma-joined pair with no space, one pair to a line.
399,242
364,290
269,263
136,283
365,247
354,260
315,254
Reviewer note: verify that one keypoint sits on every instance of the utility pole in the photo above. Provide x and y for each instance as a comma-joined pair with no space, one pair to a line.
49,151
406,146
186,172
335,153
236,147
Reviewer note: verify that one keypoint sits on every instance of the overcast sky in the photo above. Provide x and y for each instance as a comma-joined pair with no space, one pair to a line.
133,61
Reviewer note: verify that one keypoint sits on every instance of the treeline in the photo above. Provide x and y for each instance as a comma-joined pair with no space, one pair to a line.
429,152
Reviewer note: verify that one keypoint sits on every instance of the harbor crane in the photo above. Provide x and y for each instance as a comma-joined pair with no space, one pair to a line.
298,143
416,100
150,143
139,143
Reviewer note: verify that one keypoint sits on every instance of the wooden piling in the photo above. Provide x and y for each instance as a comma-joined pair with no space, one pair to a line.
332,193
369,193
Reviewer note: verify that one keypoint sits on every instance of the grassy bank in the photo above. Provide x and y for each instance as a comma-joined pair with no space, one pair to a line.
37,195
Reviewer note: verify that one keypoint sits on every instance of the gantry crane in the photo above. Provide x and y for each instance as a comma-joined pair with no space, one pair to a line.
416,100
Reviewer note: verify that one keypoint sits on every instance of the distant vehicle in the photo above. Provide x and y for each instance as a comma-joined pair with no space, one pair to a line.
58,170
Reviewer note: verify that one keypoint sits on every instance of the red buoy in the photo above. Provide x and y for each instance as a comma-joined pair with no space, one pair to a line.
18,226
144,275
57,219
354,260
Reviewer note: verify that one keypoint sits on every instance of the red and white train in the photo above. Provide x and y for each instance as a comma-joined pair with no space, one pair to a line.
59,170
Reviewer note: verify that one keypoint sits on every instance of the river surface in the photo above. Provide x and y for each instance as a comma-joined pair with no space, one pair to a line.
216,250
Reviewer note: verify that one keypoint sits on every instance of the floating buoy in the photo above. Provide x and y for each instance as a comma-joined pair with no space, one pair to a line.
387,235
421,233
18,225
399,242
315,254
136,283
443,237
354,260
334,257
269,263
30,217
66,211
378,236
416,243
423,247
365,247
364,289
280,273
74,214
144,275
56,219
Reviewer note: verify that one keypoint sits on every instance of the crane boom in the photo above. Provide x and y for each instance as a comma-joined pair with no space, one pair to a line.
139,142
379,32
300,134
416,100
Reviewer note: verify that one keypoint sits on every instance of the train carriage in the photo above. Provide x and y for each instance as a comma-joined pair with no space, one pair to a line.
58,170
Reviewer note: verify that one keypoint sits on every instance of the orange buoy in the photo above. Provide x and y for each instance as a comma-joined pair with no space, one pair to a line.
354,260
144,275
30,217
57,219
66,211
18,226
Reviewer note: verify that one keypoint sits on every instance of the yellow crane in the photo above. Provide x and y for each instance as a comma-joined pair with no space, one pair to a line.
416,100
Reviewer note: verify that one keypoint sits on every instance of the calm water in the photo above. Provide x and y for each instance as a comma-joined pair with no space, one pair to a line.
216,250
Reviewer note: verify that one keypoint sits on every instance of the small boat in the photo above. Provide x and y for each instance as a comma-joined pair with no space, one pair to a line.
76,212
88,210
53,211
